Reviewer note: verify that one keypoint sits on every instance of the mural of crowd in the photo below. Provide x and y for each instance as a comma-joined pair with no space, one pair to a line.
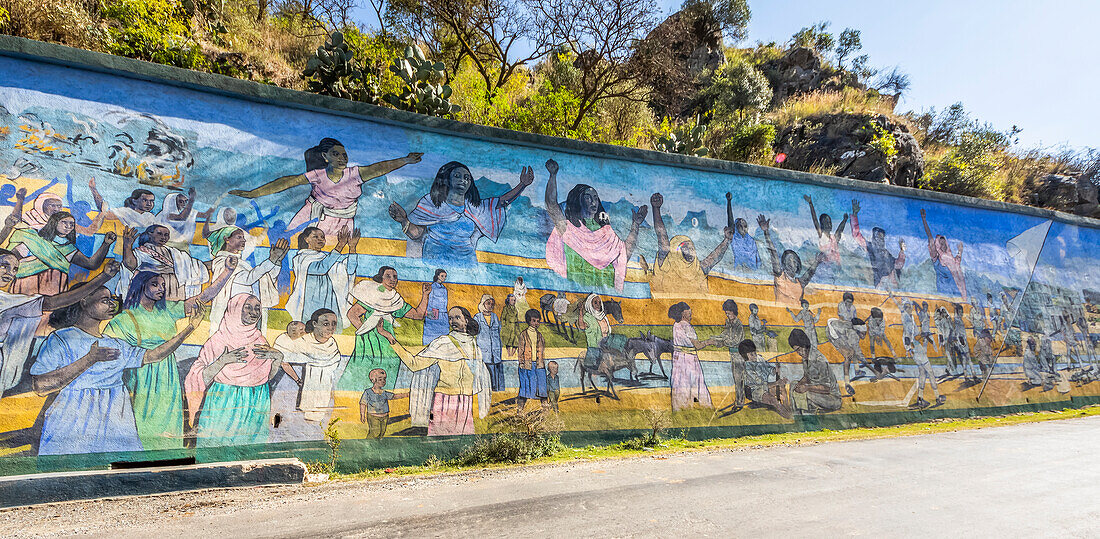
160,314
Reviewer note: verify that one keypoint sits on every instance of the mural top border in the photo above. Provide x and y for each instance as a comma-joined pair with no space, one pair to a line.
61,55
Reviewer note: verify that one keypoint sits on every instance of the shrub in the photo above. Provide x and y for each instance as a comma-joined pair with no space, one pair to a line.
970,167
518,437
75,23
848,100
737,90
153,30
750,143
686,139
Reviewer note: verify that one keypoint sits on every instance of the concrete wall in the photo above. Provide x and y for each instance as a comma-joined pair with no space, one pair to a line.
999,276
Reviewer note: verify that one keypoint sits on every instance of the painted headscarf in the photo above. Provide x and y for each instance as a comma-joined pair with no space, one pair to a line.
481,304
218,238
36,217
232,333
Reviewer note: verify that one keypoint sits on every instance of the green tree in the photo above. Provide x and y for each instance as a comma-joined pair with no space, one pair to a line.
847,44
816,37
737,90
732,15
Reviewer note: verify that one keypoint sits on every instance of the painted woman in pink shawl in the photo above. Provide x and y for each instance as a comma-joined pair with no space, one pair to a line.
336,187
228,398
447,223
583,247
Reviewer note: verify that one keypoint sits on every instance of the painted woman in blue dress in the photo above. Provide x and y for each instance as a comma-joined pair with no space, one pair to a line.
447,222
92,412
322,280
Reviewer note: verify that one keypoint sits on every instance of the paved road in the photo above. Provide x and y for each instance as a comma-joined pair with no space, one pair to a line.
1035,480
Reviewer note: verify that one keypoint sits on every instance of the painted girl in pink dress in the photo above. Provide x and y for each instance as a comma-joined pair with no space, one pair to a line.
336,186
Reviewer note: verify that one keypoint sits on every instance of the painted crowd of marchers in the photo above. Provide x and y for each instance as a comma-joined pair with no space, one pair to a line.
163,316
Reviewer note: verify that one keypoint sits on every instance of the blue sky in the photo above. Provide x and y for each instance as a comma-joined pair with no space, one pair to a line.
1011,62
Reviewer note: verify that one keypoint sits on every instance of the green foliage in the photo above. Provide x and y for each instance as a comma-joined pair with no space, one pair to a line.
153,30
424,91
737,89
816,37
847,44
732,15
334,70
686,139
881,140
970,167
333,441
518,437
748,143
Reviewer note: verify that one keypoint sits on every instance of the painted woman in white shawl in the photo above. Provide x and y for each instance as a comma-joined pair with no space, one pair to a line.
447,222
336,187
179,216
462,375
322,280
376,300
259,281
319,356
183,274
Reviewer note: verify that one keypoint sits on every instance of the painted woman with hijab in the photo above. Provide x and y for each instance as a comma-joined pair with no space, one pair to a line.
45,255
322,280
21,314
884,265
519,291
448,221
47,204
949,273
376,300
583,247
92,412
335,187
179,216
147,320
677,269
228,397
317,352
488,340
183,274
259,281
596,327
790,278
688,386
462,375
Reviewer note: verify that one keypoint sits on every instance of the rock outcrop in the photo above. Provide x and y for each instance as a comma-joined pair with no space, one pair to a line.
676,54
801,71
1071,194
856,145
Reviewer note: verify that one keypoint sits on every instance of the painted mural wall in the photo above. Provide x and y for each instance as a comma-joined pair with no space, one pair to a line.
186,271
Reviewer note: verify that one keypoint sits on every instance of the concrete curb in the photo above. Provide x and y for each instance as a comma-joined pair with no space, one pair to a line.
31,489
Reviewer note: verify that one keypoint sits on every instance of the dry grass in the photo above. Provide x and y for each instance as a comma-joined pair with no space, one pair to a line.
849,100
75,23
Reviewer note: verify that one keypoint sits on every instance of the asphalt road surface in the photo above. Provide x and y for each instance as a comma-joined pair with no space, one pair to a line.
1039,479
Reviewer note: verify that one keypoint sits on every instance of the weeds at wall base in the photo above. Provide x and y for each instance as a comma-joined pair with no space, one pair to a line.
642,446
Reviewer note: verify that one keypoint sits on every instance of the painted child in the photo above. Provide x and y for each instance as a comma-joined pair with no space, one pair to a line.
756,328
374,406
876,331
809,321
532,361
553,386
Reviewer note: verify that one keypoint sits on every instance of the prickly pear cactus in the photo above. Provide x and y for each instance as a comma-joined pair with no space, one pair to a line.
685,139
334,70
424,91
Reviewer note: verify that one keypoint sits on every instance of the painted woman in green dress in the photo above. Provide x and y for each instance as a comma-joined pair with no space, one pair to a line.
376,299
147,321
